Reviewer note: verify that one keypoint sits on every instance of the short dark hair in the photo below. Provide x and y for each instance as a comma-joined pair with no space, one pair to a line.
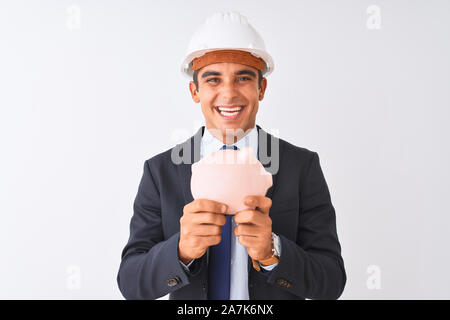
195,78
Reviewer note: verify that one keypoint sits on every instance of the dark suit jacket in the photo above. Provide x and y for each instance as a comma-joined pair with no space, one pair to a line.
311,265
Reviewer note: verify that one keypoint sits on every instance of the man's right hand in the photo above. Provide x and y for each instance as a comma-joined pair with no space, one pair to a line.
200,228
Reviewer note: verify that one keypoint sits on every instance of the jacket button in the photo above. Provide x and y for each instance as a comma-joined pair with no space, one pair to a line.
173,282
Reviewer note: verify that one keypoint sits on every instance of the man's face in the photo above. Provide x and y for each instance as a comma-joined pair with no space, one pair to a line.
229,94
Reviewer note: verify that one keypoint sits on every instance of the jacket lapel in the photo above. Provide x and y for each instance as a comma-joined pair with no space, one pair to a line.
192,148
269,141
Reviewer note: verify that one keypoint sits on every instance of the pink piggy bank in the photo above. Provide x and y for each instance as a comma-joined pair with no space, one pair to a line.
228,176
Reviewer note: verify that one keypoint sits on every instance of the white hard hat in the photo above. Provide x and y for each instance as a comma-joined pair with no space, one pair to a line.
226,30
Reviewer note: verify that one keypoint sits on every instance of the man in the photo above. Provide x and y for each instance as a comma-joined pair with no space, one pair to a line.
286,248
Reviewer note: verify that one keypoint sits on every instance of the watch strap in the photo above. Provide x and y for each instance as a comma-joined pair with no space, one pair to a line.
267,262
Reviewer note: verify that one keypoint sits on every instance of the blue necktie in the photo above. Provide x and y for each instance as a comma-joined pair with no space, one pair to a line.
220,261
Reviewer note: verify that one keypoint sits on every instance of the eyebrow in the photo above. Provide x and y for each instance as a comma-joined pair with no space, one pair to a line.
238,73
247,72
210,73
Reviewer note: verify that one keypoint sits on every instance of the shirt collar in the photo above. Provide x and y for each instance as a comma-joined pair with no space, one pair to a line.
210,143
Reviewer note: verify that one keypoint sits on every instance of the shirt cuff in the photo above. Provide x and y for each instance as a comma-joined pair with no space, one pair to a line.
187,266
269,267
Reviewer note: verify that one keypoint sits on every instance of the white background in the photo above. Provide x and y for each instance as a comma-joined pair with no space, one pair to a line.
91,89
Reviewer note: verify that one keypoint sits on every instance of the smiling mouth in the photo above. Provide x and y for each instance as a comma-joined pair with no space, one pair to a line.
230,112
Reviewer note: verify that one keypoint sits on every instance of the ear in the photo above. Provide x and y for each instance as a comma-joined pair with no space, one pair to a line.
262,90
194,93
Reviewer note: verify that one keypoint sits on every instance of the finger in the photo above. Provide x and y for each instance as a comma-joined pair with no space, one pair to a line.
207,205
201,230
204,241
208,218
262,203
249,230
204,230
248,242
250,216
213,240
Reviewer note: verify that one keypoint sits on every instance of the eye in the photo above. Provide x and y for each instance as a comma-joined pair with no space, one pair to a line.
245,78
212,80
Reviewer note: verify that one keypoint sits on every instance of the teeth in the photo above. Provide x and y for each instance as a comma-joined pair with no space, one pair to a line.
230,109
229,113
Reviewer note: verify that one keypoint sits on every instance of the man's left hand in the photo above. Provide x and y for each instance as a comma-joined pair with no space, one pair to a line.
254,228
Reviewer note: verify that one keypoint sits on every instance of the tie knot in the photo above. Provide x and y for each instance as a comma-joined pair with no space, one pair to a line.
225,147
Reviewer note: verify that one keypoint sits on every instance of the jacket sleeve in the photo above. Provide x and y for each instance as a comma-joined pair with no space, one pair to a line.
312,267
150,267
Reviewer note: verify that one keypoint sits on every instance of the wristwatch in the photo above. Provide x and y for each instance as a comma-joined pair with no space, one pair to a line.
275,258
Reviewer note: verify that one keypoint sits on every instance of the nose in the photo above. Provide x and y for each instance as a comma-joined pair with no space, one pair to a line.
228,91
